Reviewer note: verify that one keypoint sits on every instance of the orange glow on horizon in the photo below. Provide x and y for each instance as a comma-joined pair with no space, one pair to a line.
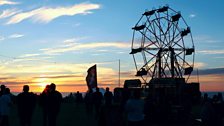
72,84
210,83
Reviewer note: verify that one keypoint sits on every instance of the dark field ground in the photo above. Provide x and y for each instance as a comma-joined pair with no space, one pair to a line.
70,115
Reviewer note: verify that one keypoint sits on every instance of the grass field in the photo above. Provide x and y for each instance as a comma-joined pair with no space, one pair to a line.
70,115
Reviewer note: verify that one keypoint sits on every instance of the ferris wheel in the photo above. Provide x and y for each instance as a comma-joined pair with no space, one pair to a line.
162,45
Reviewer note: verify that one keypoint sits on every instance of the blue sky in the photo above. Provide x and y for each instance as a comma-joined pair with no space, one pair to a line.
61,38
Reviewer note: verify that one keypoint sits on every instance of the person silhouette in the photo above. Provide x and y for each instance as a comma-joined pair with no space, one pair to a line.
135,110
2,89
207,111
218,109
26,102
54,104
44,103
97,102
108,97
124,97
78,98
89,101
5,105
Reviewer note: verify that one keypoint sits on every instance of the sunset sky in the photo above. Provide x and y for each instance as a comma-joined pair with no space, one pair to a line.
45,41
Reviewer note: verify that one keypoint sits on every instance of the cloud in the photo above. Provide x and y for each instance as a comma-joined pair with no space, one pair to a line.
2,38
78,46
7,2
214,71
59,76
205,39
211,51
192,15
47,14
219,57
16,36
71,41
8,13
199,65
13,36
29,55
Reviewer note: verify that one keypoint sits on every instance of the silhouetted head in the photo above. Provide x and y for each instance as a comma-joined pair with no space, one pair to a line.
47,88
137,94
107,89
125,86
205,95
97,89
90,90
215,97
77,92
52,87
2,87
26,88
220,96
7,91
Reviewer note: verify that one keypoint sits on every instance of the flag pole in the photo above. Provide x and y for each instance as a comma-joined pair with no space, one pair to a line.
197,75
119,74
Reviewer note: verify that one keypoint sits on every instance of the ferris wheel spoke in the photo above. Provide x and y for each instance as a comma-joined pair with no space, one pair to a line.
157,19
165,38
149,61
148,46
139,20
145,60
150,53
150,71
172,41
178,67
168,24
161,33
157,38
173,37
184,62
181,52
166,64
177,72
176,43
155,34
133,36
160,30
174,31
150,31
135,62
152,42
168,30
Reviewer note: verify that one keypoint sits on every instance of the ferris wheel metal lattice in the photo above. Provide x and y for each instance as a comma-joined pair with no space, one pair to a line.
162,45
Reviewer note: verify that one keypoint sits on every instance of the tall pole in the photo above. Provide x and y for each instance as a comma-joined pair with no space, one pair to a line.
160,63
172,61
119,70
197,75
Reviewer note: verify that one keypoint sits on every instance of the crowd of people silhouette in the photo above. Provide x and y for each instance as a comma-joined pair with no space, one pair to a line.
130,110
49,100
